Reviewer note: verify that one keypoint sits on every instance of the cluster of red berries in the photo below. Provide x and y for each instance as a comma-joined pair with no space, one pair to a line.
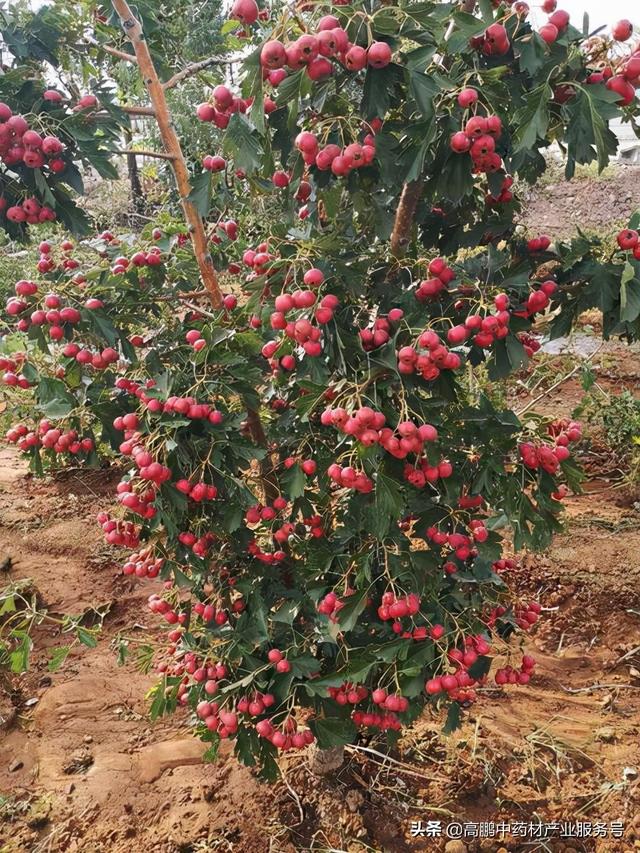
530,343
98,360
462,546
340,161
279,661
314,52
200,545
229,228
152,258
225,723
556,24
116,532
264,556
256,704
330,605
504,196
548,458
368,427
12,367
143,565
504,565
526,615
479,139
49,438
19,145
493,42
629,241
539,299
349,478
442,275
457,684
485,330
509,675
161,606
348,693
139,504
375,337
538,244
392,607
197,491
55,314
225,103
430,364
258,513
384,722
286,738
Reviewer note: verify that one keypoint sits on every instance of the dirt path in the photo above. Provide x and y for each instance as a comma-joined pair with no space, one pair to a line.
84,769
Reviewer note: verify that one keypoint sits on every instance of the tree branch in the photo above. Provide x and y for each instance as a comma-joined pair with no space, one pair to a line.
140,153
190,70
119,54
133,110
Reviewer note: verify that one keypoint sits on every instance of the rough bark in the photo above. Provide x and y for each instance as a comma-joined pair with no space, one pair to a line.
405,213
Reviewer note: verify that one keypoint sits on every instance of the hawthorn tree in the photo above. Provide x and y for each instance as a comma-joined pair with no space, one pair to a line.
314,464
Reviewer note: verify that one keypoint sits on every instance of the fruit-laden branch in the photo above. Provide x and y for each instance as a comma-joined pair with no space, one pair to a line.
133,31
405,213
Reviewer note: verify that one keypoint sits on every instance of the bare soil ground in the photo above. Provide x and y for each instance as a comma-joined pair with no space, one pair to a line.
597,205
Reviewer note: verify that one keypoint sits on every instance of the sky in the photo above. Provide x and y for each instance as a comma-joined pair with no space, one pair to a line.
601,12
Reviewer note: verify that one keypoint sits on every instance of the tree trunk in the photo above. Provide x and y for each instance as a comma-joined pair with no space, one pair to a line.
405,213
135,186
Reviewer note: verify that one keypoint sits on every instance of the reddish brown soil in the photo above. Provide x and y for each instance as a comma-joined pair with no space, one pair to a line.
596,205
97,776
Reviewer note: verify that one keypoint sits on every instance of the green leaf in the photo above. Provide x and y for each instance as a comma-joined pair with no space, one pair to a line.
629,294
333,731
54,399
454,719
19,657
533,119
87,638
58,657
423,90
243,143
200,193
354,605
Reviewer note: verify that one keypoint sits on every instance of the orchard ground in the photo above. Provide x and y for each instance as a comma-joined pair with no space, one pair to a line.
83,769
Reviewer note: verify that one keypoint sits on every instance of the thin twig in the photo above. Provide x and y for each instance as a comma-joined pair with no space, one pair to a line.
560,382
119,54
628,655
599,687
139,152
196,67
